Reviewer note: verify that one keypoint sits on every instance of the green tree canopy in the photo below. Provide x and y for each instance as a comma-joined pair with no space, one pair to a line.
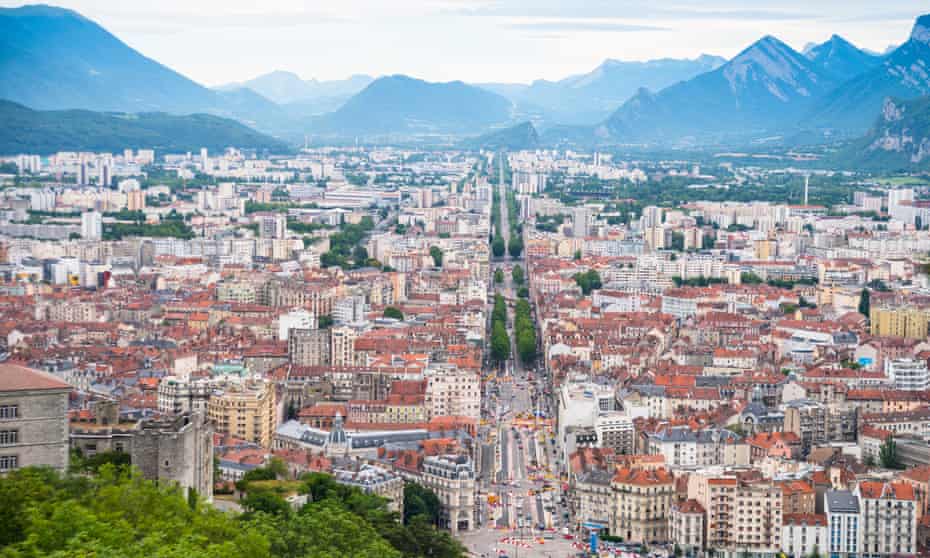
498,247
436,253
500,342
588,281
392,312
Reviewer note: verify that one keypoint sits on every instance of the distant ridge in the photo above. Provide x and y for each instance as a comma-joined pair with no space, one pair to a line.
29,131
516,138
401,104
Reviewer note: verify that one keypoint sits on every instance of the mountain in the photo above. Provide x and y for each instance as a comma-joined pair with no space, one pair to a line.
406,106
515,138
287,87
765,88
841,58
26,130
53,58
898,141
591,97
904,73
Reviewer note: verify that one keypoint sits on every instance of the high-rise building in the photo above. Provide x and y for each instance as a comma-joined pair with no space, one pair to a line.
104,177
273,226
343,346
204,160
82,175
580,222
91,225
135,200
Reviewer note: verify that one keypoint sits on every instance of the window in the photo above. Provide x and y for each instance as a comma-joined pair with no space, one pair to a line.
9,411
9,437
8,462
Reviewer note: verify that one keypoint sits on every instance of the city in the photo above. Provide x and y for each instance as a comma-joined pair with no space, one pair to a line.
233,332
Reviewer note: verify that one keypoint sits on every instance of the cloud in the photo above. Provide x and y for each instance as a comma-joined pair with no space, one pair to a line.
597,26
641,9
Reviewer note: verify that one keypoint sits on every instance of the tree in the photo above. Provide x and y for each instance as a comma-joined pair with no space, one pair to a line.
864,302
500,342
498,247
436,253
265,501
888,454
498,276
392,312
515,246
324,321
577,255
419,500
523,292
517,275
815,552
359,255
588,281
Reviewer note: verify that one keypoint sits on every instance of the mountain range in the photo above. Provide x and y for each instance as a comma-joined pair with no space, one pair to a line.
591,97
302,97
55,59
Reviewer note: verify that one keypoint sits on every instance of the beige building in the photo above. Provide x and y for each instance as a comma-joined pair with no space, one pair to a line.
643,501
742,516
452,478
899,321
593,498
342,351
245,410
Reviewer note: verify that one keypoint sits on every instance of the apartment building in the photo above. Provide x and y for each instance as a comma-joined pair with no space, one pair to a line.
842,511
452,478
309,347
757,517
615,431
451,391
899,320
643,502
888,518
342,350
686,526
245,409
804,534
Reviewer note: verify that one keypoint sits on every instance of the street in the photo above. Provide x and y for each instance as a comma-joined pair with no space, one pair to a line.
522,508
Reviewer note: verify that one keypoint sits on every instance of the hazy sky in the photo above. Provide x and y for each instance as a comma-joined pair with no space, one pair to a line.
216,41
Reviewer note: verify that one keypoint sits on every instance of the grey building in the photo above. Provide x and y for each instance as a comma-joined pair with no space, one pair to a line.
33,419
309,347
